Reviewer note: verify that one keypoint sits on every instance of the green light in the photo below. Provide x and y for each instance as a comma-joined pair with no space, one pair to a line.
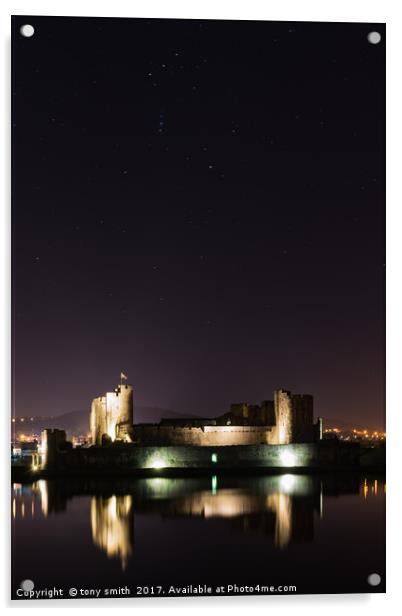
214,484
214,458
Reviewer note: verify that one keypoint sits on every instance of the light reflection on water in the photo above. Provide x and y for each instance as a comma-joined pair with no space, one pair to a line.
285,507
112,526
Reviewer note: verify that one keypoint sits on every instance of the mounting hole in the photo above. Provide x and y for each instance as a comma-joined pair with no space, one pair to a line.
27,30
374,37
374,579
27,585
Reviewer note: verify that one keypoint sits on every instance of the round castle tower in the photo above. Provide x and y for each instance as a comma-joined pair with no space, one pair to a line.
112,415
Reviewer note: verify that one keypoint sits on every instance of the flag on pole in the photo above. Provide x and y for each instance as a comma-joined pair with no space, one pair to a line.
123,376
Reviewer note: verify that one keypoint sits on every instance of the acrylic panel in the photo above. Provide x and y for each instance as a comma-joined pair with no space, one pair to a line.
198,308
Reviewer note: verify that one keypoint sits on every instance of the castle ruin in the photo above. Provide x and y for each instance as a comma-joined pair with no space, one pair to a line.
286,419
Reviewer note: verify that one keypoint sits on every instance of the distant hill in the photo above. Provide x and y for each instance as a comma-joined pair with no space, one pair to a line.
77,422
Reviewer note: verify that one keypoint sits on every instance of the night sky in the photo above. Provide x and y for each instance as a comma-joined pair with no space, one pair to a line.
201,205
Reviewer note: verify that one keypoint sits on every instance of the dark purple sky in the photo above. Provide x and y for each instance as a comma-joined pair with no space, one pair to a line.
200,205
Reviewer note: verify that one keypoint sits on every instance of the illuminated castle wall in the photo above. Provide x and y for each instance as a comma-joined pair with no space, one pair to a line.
112,415
203,436
285,420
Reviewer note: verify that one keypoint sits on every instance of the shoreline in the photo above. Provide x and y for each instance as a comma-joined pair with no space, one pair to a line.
27,475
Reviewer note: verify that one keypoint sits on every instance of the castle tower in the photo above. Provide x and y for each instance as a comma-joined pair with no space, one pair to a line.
52,440
283,416
294,417
303,418
112,415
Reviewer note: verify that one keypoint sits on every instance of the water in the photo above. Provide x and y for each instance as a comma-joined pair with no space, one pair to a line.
322,534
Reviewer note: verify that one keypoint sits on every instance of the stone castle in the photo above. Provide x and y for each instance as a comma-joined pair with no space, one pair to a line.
286,419
111,416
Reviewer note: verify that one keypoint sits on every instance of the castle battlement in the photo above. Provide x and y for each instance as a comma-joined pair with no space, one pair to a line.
286,419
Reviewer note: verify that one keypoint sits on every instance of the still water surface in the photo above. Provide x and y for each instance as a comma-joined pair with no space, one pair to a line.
321,534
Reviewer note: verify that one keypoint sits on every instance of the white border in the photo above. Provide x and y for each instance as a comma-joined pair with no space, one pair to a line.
388,11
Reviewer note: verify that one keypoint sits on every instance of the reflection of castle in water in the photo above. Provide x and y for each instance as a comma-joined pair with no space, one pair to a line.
112,525
280,506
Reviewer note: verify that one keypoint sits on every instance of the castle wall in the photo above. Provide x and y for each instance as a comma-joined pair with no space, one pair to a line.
128,457
253,414
206,436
